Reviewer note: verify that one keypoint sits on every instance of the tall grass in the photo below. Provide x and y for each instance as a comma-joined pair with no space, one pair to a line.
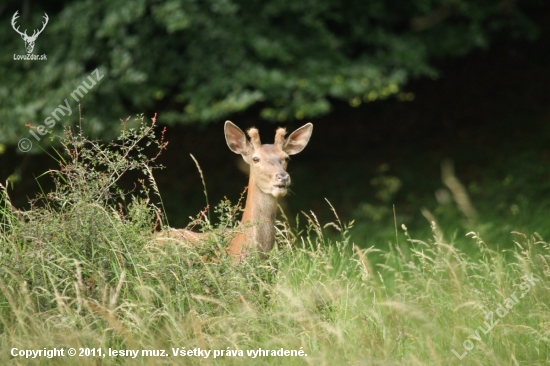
82,269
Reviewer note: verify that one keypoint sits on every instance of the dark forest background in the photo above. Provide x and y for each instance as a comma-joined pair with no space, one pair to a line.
394,90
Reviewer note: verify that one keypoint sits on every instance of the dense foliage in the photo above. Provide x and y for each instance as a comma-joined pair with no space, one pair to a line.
199,61
79,271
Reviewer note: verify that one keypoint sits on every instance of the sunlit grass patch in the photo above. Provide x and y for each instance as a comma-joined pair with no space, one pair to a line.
80,271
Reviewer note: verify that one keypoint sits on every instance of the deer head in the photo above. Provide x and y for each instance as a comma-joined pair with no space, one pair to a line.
267,162
29,40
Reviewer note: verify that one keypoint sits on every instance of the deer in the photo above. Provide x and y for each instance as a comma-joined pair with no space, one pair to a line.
29,40
268,182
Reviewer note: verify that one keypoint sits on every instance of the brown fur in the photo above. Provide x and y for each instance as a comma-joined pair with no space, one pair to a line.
280,137
254,137
268,181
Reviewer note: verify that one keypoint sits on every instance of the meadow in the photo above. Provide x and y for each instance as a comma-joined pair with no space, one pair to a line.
81,270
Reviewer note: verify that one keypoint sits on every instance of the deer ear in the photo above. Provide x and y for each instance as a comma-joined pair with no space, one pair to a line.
235,138
298,139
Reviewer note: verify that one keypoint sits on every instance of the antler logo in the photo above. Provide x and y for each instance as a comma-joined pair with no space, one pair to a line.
29,41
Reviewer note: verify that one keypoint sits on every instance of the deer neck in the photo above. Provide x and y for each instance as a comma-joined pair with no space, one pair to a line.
259,214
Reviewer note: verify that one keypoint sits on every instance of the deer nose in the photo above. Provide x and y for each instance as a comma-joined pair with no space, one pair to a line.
283,177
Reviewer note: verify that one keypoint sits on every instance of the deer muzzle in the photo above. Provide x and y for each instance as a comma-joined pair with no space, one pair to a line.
282,181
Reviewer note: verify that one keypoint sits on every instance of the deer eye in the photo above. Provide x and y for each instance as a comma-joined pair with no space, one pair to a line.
256,159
